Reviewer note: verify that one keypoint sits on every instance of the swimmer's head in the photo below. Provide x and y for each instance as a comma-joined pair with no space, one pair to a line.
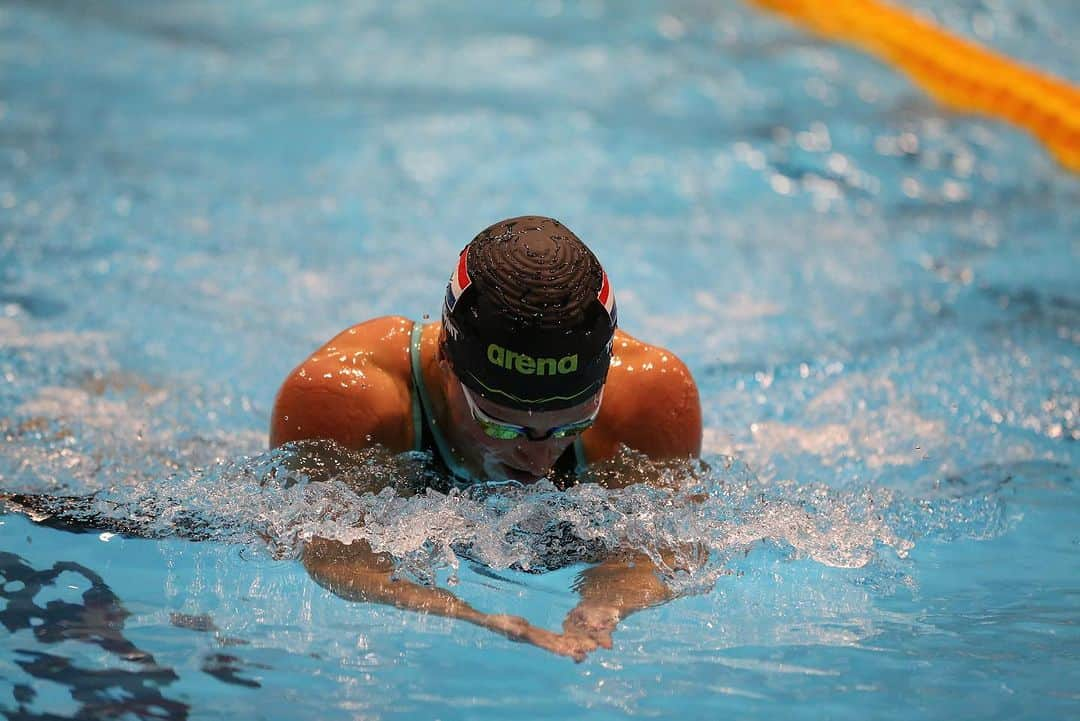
529,316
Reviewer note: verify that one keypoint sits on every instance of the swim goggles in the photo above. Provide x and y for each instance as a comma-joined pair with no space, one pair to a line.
510,431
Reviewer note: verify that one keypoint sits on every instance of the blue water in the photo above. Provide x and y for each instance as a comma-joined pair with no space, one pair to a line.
878,299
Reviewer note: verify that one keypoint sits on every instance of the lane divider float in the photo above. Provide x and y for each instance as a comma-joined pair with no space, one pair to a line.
959,73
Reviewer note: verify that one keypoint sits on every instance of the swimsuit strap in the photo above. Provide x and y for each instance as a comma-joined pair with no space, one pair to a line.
421,400
580,464
418,423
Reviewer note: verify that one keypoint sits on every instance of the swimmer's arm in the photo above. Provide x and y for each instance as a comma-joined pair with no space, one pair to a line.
355,573
653,407
612,590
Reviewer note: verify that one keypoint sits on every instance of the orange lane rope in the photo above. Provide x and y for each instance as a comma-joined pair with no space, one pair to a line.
958,72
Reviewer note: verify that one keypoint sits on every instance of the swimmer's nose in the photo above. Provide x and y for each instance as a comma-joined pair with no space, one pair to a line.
537,456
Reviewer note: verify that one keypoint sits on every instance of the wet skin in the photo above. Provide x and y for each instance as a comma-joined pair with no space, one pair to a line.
357,391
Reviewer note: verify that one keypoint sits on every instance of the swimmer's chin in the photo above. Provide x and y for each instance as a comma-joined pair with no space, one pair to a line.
522,476
504,472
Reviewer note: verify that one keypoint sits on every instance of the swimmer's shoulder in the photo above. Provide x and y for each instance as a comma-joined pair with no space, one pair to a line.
651,404
355,389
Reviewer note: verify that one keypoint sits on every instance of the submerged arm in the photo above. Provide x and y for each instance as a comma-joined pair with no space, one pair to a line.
356,573
649,431
611,591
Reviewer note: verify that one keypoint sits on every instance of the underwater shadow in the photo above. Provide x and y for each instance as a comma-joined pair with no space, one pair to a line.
110,693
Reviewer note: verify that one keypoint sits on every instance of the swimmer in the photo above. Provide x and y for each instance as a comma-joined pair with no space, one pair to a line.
524,377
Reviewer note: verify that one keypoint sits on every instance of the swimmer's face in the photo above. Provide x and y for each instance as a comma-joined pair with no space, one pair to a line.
520,459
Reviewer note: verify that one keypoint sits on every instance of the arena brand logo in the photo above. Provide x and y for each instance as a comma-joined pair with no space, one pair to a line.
527,365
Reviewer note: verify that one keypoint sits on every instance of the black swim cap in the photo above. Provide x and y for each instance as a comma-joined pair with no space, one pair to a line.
529,316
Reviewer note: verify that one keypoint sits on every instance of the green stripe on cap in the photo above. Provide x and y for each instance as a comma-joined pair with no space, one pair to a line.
527,401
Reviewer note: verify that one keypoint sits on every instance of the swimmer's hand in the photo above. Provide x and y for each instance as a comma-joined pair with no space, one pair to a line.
516,628
612,590
594,621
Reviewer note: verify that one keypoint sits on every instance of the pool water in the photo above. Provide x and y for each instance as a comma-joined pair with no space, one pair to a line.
878,299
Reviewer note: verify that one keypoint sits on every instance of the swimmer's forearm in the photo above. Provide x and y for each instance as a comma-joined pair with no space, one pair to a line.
357,574
377,587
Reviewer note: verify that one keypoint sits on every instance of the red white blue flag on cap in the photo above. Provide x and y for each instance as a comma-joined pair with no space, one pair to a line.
459,280
606,296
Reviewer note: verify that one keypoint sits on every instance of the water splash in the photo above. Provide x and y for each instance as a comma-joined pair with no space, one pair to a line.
692,521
